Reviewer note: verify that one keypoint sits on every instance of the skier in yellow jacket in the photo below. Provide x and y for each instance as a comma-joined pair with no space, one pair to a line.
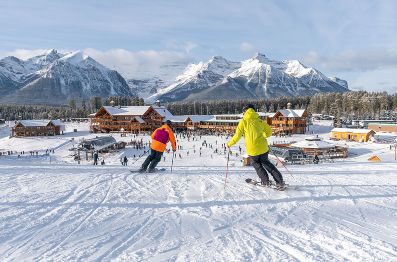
256,132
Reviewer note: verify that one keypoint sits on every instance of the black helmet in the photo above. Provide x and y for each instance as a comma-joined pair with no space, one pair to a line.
168,122
248,106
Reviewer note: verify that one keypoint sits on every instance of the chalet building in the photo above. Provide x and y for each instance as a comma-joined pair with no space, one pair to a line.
24,128
383,127
316,146
190,122
352,134
128,118
220,123
289,121
366,123
101,144
145,118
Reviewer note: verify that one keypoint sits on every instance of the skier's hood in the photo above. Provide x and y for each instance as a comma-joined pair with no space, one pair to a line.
250,114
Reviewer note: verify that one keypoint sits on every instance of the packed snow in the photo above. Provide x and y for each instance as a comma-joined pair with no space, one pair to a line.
53,209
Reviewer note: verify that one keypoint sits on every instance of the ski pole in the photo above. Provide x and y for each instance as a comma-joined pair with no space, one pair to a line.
172,161
144,153
278,159
227,166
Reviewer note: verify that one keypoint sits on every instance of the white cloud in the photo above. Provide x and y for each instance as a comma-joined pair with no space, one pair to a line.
23,53
378,80
141,64
247,47
178,45
359,61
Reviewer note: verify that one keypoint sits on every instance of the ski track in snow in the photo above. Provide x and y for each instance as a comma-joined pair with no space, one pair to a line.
192,216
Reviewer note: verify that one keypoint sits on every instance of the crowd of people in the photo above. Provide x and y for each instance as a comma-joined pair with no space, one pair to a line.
23,153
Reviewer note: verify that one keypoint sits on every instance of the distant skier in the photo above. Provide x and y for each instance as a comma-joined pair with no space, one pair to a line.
316,159
160,137
256,132
96,158
125,161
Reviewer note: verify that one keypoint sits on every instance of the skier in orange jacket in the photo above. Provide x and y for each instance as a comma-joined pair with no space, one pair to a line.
160,137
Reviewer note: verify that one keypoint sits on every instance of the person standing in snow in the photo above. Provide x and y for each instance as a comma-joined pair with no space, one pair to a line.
256,132
95,158
125,161
160,137
316,159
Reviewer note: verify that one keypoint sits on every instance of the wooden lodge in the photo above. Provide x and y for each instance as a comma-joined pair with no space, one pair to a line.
128,118
134,119
289,121
352,134
383,127
220,123
316,146
23,128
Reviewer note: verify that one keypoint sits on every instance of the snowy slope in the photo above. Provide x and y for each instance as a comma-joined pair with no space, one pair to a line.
53,78
146,87
61,211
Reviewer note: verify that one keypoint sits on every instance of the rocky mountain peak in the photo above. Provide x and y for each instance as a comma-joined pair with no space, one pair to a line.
256,77
55,78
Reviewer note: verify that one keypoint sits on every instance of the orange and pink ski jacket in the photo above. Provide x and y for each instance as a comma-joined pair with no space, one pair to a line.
161,136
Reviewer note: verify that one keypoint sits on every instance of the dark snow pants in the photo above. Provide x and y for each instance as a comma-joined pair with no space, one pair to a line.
152,160
261,163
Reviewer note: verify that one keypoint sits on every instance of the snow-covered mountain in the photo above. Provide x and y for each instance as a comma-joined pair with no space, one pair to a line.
54,78
146,87
257,77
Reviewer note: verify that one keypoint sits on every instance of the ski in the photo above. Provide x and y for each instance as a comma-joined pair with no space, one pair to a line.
271,185
155,171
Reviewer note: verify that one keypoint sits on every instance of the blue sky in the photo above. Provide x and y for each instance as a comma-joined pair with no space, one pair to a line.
354,40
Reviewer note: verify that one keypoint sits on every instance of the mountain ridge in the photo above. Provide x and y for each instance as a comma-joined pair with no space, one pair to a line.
256,77
54,78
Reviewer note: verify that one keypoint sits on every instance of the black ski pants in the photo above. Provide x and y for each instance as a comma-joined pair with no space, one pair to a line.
261,163
152,160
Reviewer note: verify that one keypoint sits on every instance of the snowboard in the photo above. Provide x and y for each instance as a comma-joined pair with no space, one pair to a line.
156,170
272,185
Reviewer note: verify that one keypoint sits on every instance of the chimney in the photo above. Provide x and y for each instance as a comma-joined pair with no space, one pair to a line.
289,106
112,103
158,104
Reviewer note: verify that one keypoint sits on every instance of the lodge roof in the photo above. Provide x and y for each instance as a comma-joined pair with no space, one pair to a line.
352,130
292,112
163,112
126,110
178,119
194,118
315,144
99,143
39,122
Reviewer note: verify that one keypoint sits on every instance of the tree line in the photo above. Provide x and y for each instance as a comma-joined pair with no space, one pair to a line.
351,105
75,109
235,106
355,105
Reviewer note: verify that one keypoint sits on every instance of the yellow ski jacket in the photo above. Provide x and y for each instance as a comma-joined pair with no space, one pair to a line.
255,131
